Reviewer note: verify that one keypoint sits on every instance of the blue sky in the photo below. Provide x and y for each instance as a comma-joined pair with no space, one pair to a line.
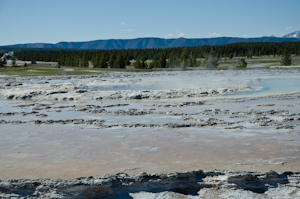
52,21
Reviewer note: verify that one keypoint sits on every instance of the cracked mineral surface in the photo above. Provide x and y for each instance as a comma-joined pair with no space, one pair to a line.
243,123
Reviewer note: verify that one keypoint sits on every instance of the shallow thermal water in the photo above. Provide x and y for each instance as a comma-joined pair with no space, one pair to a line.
243,134
261,83
272,86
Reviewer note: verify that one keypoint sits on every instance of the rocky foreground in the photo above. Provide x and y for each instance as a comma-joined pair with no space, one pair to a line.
193,184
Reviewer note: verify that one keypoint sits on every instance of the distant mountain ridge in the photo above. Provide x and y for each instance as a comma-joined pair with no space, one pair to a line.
150,42
295,34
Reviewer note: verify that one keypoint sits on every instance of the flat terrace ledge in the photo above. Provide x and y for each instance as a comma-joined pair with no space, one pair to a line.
191,184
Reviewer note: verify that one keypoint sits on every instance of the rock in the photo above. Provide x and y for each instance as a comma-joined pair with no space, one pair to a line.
204,93
41,115
191,184
81,91
263,105
10,97
236,127
135,96
281,126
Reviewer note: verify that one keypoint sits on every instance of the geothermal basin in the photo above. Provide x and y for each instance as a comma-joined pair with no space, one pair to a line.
158,122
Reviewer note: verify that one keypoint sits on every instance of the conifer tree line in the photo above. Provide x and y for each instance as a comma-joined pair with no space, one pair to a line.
160,57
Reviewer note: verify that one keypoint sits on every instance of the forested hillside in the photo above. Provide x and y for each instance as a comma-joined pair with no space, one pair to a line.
174,56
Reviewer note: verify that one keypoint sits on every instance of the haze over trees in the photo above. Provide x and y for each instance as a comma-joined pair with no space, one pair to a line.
211,61
14,61
161,57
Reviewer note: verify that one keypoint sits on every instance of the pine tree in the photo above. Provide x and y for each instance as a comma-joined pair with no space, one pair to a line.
13,62
190,62
83,61
76,61
60,61
198,63
162,63
243,63
137,63
250,53
183,65
172,61
120,62
112,60
102,61
152,65
142,64
95,60
2,62
67,61
127,61
154,62
286,59
185,54
194,60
